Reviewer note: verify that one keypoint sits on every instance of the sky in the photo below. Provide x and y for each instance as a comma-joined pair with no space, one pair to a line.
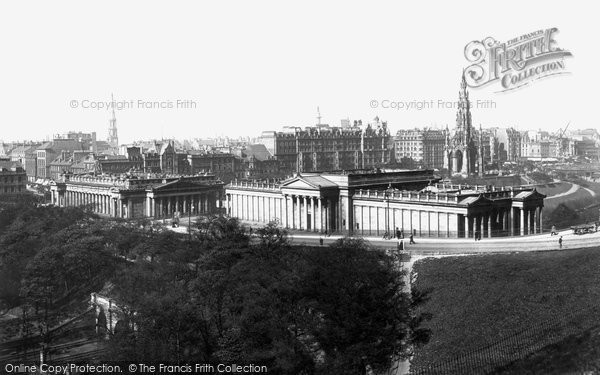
183,69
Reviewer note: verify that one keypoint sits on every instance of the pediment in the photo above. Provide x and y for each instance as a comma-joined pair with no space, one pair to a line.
298,184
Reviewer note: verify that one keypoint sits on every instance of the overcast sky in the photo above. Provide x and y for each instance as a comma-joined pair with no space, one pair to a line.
251,66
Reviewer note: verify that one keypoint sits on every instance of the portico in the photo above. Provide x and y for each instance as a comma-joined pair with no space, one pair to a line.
139,197
326,203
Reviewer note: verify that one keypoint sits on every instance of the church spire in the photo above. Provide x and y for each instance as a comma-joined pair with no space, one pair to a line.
113,139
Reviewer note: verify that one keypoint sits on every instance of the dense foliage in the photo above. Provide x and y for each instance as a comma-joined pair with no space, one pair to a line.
212,295
296,310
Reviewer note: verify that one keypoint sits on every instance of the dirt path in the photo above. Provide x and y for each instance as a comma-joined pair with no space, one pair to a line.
573,189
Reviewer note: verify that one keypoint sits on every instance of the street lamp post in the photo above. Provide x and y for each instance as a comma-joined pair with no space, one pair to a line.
387,193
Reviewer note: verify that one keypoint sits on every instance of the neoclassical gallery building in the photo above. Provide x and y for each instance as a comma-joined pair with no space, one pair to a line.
373,203
139,196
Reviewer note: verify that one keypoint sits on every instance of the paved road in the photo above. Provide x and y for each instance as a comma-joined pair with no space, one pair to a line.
432,246
442,246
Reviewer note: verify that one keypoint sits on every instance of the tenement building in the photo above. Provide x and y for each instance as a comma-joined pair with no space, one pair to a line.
422,145
376,203
139,196
323,147
13,178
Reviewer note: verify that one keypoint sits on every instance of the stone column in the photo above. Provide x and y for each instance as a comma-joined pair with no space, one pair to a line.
535,219
120,207
320,209
129,208
285,213
268,209
466,229
247,206
235,205
522,219
313,211
489,225
265,205
328,211
540,220
305,213
299,212
482,225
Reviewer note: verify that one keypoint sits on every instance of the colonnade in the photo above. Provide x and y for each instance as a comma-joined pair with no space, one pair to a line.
424,221
301,212
513,221
100,202
376,220
186,204
365,216
116,205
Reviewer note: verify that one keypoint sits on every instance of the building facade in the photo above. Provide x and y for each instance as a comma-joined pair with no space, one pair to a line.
379,203
139,197
422,145
326,148
507,144
13,179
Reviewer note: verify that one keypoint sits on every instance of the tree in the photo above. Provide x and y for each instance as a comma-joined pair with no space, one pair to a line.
272,236
365,318
298,310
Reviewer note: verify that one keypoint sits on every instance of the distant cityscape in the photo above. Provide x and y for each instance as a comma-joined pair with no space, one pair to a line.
351,145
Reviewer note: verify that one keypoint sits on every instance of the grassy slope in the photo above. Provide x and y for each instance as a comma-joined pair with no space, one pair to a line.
478,299
577,353
554,188
577,201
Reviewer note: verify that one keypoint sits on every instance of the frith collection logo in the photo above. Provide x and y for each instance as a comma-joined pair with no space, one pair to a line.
515,63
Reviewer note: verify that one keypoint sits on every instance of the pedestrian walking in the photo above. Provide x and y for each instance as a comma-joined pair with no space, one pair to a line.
398,233
560,242
412,240
321,240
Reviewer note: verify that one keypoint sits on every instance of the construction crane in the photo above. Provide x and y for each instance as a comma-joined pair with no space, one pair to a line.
560,146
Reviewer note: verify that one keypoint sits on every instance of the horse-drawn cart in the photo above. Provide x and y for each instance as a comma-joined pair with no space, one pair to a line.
585,228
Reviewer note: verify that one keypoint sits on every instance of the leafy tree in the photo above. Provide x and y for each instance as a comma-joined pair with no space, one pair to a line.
341,309
272,236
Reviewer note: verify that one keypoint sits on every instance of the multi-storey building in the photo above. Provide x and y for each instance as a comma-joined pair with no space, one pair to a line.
586,143
507,144
535,145
225,166
422,145
26,155
326,148
13,178
49,151
163,158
